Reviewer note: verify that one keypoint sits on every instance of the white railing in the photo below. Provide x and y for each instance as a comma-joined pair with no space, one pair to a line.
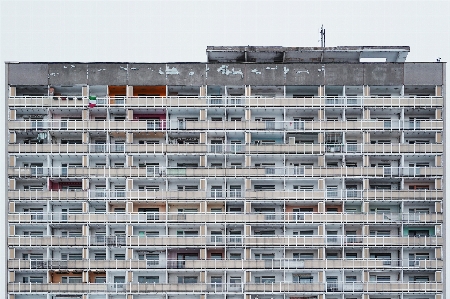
156,171
201,288
169,125
222,217
270,264
231,101
163,148
228,240
298,195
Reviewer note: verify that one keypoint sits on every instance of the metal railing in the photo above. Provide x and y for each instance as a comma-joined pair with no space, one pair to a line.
168,125
215,264
231,101
156,171
199,288
282,194
223,217
231,240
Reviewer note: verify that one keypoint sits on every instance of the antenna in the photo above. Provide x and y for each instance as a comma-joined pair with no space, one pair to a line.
322,37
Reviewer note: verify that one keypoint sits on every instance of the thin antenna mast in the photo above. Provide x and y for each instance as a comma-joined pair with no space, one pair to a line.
322,37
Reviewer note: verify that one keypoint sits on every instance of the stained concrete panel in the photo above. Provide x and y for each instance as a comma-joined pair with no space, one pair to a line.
304,74
386,74
28,74
428,73
107,74
186,74
140,74
344,74
264,74
67,74
225,74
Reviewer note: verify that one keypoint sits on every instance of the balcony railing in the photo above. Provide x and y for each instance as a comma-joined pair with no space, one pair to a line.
168,125
303,172
163,148
201,288
231,240
241,101
293,195
224,217
214,264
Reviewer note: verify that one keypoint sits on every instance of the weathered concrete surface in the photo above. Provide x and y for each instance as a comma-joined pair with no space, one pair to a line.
146,74
424,73
108,74
67,73
186,74
305,74
196,74
383,74
344,74
28,74
225,74
265,74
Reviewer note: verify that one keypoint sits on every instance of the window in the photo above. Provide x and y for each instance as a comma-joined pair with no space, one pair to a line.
216,256
186,233
265,233
264,279
100,279
380,233
33,256
303,255
264,256
302,278
419,278
351,255
100,256
216,236
148,279
235,280
216,279
187,279
332,255
385,256
304,233
71,279
235,256
264,187
33,233
32,279
350,278
71,256
119,256
151,233
187,188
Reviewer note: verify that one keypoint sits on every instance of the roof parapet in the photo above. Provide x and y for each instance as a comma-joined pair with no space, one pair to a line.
276,54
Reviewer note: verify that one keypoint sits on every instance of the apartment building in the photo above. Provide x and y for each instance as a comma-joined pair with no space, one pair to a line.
263,173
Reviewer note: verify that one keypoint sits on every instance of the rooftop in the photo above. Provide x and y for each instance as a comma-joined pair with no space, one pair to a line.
261,54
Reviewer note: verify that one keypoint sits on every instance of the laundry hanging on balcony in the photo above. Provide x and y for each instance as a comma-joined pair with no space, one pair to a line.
92,101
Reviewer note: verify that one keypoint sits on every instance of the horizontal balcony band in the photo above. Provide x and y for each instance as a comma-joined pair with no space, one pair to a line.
276,287
175,217
270,264
167,172
171,125
300,195
161,149
227,101
173,240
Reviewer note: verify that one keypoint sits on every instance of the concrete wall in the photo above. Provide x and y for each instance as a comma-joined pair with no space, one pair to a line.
197,74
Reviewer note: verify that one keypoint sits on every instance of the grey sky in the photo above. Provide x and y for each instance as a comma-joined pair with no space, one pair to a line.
167,31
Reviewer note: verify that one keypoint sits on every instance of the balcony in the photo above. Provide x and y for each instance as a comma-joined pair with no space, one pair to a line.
170,240
242,101
276,172
201,288
162,125
392,148
193,196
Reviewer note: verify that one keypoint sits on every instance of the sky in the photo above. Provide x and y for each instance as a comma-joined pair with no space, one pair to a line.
180,31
